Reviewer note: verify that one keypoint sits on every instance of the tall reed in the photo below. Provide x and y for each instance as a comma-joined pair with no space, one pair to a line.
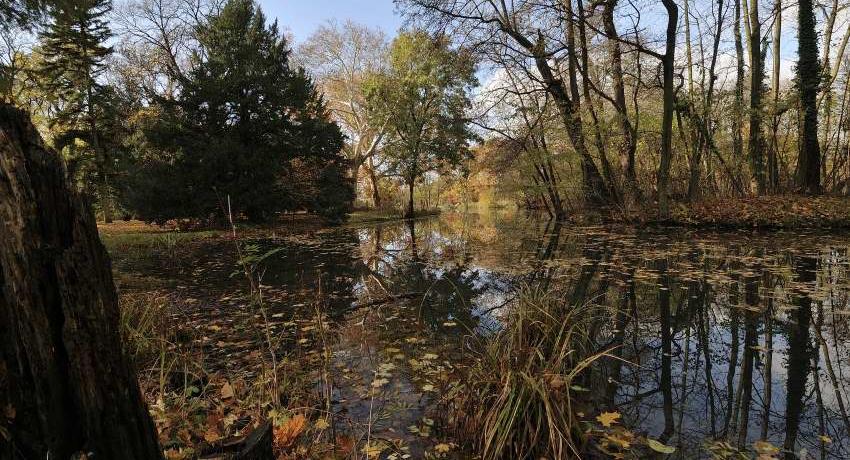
518,401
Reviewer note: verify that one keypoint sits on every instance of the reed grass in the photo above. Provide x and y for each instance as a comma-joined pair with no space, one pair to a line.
519,401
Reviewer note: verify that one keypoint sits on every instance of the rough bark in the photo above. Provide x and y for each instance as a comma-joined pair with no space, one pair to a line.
255,446
808,79
373,180
62,366
755,145
773,158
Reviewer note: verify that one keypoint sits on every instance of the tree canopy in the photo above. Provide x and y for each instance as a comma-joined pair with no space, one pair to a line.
424,97
245,125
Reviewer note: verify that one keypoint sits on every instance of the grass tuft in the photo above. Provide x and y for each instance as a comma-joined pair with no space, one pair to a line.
518,403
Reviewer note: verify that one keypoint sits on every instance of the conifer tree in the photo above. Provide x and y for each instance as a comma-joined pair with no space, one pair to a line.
75,52
246,125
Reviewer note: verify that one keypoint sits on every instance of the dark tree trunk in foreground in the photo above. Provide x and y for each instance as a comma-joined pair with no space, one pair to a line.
808,79
62,366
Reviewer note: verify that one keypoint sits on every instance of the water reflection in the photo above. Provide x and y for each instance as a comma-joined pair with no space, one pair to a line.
717,337
722,337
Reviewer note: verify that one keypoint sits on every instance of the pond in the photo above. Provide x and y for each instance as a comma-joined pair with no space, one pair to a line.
715,339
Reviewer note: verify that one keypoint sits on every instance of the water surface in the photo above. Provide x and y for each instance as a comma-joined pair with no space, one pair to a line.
733,337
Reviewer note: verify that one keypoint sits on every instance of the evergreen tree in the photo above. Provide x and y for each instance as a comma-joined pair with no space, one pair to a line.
75,52
245,125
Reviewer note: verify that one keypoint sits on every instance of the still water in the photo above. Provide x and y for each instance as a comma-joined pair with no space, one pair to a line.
734,337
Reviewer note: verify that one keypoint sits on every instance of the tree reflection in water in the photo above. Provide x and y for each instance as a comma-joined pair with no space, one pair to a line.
716,337
733,337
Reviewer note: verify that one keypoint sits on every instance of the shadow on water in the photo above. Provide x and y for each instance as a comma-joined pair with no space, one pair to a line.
721,340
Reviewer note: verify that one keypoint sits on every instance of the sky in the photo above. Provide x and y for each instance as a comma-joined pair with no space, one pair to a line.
302,17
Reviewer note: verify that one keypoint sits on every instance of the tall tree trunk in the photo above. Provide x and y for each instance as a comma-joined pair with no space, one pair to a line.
373,180
607,170
595,191
808,78
708,141
755,144
737,128
596,188
773,159
667,121
695,157
628,146
102,161
410,214
66,374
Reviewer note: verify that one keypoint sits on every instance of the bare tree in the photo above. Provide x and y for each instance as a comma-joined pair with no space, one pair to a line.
534,33
158,38
342,57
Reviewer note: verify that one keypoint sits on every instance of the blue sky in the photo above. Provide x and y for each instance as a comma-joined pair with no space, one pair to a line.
302,17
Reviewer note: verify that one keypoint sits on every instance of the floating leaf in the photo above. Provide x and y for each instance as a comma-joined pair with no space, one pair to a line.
608,418
442,448
322,424
378,383
764,447
658,447
373,450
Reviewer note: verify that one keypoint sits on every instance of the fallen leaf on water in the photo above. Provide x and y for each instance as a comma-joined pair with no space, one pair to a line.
764,447
373,450
608,418
658,447
825,439
622,442
322,424
442,448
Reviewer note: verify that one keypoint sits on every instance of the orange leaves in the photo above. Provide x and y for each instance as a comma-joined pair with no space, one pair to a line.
286,434
783,211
